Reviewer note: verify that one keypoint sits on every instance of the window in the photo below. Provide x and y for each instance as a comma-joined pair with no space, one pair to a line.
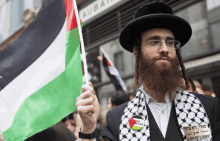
119,62
17,9
93,65
199,44
211,4
215,28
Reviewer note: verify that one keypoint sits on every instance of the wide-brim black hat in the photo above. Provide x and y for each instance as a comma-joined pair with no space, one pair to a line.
154,15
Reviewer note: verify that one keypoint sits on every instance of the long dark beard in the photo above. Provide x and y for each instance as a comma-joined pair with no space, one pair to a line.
159,81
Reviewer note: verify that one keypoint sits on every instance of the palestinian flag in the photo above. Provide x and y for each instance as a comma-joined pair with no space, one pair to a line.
112,72
41,73
136,123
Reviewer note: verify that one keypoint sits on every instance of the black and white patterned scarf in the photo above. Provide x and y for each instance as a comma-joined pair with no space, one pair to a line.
189,112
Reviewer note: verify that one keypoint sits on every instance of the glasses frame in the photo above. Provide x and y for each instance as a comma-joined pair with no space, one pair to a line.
176,43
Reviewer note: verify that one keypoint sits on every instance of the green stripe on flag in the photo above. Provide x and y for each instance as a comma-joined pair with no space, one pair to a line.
72,39
52,102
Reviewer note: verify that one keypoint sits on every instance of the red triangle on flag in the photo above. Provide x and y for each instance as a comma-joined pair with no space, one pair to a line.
109,64
70,15
131,122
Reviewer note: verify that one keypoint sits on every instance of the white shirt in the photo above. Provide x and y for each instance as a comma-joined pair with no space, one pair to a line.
160,111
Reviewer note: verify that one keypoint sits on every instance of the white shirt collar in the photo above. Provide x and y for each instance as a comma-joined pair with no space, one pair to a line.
150,99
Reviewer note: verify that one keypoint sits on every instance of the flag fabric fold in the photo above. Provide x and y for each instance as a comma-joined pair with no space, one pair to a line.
41,73
112,72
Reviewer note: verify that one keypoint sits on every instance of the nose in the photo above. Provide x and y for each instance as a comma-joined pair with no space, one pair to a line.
163,48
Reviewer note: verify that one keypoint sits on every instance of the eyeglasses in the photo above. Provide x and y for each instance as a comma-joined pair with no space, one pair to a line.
158,43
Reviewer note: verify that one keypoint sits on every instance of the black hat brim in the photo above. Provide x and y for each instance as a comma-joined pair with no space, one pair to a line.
181,29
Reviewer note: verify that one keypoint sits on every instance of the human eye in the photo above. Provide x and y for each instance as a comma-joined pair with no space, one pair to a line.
154,42
170,43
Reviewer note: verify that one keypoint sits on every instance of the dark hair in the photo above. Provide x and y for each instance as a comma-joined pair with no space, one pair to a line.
70,116
192,84
206,88
45,135
137,48
137,45
119,97
57,132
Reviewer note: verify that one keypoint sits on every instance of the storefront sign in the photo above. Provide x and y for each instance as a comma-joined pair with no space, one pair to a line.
95,8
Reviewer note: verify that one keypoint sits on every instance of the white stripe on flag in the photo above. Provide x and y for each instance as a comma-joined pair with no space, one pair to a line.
121,83
47,67
114,71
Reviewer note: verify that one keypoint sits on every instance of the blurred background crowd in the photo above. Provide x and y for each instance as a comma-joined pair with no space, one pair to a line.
102,23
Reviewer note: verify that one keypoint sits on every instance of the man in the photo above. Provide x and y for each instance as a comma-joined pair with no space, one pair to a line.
161,110
192,87
117,99
70,122
198,87
207,90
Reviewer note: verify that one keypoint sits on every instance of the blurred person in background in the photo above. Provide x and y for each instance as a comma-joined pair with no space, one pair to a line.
116,99
69,122
1,136
192,87
198,87
213,94
161,109
131,96
203,89
207,90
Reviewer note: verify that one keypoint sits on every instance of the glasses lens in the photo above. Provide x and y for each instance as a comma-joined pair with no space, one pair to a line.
154,42
170,43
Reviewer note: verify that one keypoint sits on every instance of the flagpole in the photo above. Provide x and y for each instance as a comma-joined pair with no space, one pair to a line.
82,43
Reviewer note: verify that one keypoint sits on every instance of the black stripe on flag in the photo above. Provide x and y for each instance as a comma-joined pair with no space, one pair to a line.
114,78
32,43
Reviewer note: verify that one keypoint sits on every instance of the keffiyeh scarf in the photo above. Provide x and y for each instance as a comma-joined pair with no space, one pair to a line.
190,115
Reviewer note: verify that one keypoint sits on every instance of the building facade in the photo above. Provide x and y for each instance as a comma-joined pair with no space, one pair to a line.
15,16
11,12
104,19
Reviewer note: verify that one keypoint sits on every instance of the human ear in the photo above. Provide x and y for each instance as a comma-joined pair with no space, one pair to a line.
135,52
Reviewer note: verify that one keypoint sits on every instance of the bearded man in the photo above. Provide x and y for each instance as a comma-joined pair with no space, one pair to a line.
161,109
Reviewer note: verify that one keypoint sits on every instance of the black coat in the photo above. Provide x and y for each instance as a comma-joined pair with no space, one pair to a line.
211,105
